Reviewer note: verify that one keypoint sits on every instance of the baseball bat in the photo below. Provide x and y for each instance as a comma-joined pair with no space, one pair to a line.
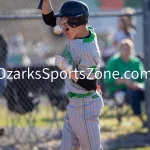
40,5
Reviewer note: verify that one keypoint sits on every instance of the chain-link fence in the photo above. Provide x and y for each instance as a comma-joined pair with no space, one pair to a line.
36,105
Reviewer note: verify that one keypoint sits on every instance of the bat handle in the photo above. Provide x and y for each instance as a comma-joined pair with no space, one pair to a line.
40,5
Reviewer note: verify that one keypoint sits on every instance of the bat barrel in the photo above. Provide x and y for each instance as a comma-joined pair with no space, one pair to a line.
40,5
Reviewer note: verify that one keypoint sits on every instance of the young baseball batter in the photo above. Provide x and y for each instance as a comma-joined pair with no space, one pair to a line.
81,123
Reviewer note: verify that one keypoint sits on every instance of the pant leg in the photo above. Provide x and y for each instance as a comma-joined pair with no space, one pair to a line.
135,98
69,139
85,122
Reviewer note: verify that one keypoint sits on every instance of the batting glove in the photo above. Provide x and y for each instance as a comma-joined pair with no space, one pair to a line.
62,63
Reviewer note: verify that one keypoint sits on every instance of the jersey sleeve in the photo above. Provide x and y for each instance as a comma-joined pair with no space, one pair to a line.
89,63
49,19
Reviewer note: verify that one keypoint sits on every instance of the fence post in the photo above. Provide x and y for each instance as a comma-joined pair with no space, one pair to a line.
146,10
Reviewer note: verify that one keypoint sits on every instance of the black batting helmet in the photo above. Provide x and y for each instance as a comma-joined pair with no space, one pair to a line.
77,13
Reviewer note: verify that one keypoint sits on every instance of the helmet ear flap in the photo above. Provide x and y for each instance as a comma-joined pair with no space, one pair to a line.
77,21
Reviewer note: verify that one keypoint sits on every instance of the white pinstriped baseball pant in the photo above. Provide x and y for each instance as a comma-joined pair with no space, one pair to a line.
81,124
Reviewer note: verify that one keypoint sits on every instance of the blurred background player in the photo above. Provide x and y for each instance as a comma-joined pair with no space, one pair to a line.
132,86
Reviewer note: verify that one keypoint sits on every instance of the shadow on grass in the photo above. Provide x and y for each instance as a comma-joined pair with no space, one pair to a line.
47,120
132,140
108,129
107,116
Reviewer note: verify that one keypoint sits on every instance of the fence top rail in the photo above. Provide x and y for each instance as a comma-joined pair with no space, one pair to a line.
36,15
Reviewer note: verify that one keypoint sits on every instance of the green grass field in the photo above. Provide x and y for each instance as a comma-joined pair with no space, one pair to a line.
43,117
110,128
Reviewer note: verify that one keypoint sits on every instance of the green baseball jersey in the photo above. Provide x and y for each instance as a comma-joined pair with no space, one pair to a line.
84,55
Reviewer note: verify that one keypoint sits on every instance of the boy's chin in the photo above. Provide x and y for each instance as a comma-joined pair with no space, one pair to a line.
70,37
